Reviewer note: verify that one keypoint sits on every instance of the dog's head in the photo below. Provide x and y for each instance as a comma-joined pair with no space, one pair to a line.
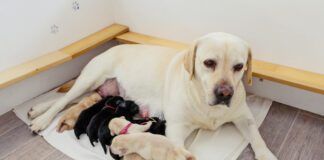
217,62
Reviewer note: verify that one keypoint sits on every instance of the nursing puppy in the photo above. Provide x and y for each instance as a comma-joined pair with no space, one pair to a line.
116,109
197,88
84,118
120,125
68,120
107,131
156,126
149,146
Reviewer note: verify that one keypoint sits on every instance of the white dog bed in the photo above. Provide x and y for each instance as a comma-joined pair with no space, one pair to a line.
224,144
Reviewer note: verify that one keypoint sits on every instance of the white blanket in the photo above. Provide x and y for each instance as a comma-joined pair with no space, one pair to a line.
224,144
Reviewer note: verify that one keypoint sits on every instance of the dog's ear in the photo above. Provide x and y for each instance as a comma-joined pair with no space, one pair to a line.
248,71
189,60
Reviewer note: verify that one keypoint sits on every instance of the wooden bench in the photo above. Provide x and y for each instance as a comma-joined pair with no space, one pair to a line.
51,60
278,73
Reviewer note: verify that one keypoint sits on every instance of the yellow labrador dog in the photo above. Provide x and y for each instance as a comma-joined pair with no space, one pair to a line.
197,88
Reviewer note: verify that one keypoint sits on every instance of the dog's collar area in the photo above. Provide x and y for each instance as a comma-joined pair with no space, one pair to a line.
125,129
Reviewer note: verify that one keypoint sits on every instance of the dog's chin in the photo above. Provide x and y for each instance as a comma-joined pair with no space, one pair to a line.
217,103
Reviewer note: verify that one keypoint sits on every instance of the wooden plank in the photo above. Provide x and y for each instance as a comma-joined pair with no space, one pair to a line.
38,148
14,139
32,67
50,60
136,38
94,40
298,78
9,121
305,139
289,76
57,155
276,126
274,129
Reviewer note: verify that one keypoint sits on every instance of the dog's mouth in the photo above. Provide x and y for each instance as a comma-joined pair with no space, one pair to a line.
220,102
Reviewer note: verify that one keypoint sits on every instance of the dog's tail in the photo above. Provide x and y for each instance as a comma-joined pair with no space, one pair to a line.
66,87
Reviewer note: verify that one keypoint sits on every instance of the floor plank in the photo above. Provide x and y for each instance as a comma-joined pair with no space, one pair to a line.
57,155
14,139
9,121
305,140
36,149
274,128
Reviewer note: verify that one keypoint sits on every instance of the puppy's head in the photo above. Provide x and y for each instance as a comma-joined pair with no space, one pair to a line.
217,62
128,108
116,125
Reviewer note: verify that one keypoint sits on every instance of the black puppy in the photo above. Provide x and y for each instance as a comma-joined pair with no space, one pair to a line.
105,138
86,115
158,125
114,108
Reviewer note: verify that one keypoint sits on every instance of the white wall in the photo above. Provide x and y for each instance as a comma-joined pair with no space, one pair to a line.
288,32
34,27
26,31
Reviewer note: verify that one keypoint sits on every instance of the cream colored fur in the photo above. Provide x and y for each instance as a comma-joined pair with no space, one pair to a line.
117,124
149,146
176,84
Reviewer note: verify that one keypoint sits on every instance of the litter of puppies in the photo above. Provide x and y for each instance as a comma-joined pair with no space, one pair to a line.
113,116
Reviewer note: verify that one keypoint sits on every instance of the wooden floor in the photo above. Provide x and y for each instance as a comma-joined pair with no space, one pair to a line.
290,133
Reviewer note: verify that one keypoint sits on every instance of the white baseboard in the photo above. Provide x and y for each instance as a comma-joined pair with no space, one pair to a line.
291,96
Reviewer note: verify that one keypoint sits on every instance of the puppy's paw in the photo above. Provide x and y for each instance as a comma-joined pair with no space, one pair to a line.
267,155
39,109
40,123
65,123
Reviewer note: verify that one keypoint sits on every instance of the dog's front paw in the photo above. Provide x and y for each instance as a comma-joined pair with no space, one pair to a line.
268,155
39,109
40,123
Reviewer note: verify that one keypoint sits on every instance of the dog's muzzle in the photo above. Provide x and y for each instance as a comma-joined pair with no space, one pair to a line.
223,94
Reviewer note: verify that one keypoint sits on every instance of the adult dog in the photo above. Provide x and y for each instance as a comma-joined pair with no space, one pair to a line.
197,88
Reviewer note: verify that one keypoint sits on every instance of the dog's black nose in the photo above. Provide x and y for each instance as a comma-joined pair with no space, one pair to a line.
224,94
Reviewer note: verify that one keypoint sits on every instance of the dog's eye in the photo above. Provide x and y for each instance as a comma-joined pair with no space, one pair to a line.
238,67
209,63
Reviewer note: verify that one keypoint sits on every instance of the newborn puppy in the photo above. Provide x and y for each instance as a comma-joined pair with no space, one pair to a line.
86,115
158,125
104,134
122,108
69,118
120,125
149,146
